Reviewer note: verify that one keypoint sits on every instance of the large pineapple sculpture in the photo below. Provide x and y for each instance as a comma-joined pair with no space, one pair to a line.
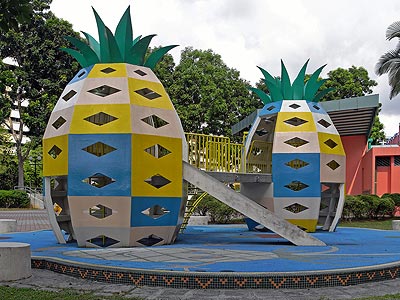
295,139
113,145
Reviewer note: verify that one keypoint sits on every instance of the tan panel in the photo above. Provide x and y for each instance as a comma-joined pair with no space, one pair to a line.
80,211
83,234
62,103
322,122
167,233
280,146
120,97
142,73
51,130
334,172
313,205
172,129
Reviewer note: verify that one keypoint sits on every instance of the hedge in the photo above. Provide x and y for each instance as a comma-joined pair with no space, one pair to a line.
368,206
14,199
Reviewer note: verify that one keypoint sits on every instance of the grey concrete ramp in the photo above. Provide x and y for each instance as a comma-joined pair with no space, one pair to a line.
248,207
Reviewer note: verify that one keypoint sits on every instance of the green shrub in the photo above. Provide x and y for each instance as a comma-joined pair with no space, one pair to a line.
385,207
219,212
355,207
14,199
395,197
371,204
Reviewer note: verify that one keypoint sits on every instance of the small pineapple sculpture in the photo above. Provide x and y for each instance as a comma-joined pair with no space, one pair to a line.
113,147
299,144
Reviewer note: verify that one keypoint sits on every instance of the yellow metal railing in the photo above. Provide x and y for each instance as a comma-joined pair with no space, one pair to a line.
190,207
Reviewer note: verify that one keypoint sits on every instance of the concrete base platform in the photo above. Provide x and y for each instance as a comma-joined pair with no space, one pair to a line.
225,257
8,225
15,261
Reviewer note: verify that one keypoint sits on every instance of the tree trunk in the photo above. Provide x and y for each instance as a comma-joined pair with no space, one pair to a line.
20,165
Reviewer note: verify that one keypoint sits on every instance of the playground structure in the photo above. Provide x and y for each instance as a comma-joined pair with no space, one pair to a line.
117,163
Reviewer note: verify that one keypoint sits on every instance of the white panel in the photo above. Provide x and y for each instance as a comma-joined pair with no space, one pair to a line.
286,106
324,117
52,131
312,212
280,146
61,103
141,73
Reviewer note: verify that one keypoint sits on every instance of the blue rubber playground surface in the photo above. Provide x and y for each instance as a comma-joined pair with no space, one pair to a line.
229,249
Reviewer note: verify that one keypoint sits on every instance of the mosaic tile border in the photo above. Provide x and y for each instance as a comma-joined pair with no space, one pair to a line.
220,280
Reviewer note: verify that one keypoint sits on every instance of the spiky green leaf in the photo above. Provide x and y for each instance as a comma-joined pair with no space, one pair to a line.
88,53
101,28
322,94
115,54
138,50
286,87
123,33
312,85
77,55
298,83
155,57
136,40
265,98
273,84
93,43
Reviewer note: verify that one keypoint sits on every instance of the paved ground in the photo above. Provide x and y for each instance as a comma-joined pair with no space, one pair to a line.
28,220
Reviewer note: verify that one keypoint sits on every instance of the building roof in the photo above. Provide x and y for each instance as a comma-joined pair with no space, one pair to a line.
351,116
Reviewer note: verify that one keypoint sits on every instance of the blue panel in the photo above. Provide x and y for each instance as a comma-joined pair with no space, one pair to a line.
140,204
316,107
82,74
283,175
270,108
115,164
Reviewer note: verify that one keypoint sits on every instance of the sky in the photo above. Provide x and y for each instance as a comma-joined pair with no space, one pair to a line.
251,33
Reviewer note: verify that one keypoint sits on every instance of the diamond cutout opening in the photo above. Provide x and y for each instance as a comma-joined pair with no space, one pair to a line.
155,121
69,95
103,241
325,187
148,93
81,74
54,151
296,186
261,132
294,106
324,123
59,122
99,149
140,72
155,212
157,181
297,164
333,164
316,107
330,143
100,118
295,121
157,151
108,70
150,240
98,180
100,211
104,91
296,142
296,208
270,108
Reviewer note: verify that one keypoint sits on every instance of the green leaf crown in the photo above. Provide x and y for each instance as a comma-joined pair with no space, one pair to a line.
115,48
281,88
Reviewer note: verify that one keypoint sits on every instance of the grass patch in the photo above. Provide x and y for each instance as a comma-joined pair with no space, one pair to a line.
385,297
385,224
11,293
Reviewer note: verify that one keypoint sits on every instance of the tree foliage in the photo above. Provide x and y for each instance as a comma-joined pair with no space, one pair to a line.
13,13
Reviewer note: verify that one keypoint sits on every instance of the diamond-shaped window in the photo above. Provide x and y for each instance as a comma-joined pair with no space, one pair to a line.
296,208
296,142
155,211
157,151
331,143
294,106
99,149
81,74
155,121
104,91
297,163
148,93
100,118
269,108
333,164
157,181
103,241
296,186
59,122
108,70
98,180
100,211
54,151
261,132
324,123
140,72
69,95
295,121
150,240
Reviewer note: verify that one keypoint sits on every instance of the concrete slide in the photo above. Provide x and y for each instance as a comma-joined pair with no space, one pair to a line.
248,207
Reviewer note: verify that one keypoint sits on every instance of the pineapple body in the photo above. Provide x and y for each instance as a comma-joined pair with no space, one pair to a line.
114,144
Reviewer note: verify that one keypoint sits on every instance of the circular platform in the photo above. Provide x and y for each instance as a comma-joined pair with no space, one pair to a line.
228,257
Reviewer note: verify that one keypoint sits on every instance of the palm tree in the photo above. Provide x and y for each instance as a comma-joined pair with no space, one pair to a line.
390,61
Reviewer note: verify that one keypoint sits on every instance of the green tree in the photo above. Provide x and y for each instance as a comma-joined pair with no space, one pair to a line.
208,95
8,164
389,61
41,72
13,13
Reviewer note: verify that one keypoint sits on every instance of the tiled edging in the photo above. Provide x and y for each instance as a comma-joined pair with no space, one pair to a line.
213,280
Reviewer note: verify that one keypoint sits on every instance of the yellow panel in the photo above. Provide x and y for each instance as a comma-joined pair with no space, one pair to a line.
160,102
330,138
309,224
120,70
120,111
55,166
282,126
145,165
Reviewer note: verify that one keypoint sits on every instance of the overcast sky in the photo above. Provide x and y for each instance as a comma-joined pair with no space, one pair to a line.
250,33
